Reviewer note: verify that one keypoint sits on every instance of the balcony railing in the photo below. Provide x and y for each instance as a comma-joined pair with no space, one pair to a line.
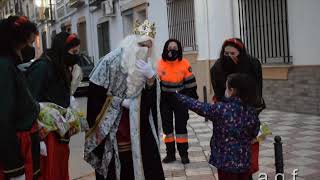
95,2
76,3
264,29
181,23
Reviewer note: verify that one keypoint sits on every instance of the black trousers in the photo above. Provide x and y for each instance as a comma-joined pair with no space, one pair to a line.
250,177
126,168
170,106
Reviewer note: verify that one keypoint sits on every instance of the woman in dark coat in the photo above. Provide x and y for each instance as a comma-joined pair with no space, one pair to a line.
50,81
19,137
235,59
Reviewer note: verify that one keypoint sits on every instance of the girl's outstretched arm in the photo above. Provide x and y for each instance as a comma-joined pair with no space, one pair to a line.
207,110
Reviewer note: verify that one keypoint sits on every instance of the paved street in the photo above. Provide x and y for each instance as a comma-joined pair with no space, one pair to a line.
301,148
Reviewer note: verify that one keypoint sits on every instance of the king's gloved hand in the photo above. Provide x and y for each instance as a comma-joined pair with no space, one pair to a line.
126,103
145,69
43,149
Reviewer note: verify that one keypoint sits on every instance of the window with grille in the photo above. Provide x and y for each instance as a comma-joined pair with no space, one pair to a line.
82,32
60,12
103,38
44,40
264,29
181,23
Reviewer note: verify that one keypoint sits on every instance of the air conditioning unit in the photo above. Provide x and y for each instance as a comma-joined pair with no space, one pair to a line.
108,8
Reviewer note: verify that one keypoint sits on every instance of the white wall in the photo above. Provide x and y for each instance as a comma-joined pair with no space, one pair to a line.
116,29
235,15
214,24
304,26
157,12
221,24
202,32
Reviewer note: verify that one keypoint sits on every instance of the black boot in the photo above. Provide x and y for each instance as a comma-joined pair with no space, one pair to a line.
171,153
183,152
185,159
169,159
250,177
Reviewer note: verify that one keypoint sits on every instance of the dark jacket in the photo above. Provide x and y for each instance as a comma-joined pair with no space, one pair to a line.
45,84
18,112
234,127
250,66
151,160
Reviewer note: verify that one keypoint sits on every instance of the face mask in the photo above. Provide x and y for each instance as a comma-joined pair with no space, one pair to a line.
228,65
226,94
142,53
172,55
28,53
71,59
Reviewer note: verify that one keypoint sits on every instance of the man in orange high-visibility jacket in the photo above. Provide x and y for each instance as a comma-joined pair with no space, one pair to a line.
175,75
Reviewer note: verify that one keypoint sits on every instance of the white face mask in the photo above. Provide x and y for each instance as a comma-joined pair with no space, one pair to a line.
142,53
226,94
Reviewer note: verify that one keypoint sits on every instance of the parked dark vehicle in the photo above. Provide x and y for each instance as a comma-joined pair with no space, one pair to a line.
86,65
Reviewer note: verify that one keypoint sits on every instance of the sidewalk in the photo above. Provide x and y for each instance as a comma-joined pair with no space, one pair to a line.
301,149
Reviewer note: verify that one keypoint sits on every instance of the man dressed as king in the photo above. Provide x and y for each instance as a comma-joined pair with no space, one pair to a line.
123,111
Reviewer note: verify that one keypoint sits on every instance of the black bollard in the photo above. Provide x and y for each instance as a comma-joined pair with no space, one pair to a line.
278,157
205,98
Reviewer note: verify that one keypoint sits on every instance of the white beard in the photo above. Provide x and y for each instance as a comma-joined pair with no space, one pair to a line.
131,53
135,79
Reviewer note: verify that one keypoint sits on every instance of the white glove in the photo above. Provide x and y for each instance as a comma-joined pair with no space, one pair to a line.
73,103
126,103
145,69
43,149
22,177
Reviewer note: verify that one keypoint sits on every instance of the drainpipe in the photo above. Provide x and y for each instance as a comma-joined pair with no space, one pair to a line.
51,17
208,31
232,18
208,84
92,35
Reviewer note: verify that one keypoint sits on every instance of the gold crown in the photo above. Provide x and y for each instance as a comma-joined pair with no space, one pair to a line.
145,28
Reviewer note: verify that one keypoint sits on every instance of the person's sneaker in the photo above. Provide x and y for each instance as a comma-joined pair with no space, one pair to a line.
169,159
185,160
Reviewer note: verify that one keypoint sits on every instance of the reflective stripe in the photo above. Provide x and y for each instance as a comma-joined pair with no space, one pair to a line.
182,138
168,138
168,135
182,135
192,80
189,78
191,85
171,89
165,83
